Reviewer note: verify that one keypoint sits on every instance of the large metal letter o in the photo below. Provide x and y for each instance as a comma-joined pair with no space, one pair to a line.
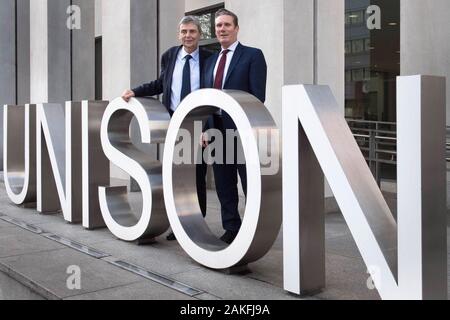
262,219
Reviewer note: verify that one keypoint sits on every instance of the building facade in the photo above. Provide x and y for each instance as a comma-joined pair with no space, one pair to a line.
61,50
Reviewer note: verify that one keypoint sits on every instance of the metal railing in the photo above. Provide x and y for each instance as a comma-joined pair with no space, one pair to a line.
378,142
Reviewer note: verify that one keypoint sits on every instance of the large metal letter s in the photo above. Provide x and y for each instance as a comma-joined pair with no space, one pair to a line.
153,120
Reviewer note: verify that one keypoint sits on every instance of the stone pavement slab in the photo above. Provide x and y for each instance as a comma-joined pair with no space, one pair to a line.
49,270
336,226
76,231
153,257
4,224
144,290
10,289
232,287
268,268
29,215
16,241
346,279
45,262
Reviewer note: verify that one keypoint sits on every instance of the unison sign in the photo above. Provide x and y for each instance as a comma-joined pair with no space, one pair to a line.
407,258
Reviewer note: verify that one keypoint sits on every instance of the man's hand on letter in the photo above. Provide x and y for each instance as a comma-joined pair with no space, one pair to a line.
127,95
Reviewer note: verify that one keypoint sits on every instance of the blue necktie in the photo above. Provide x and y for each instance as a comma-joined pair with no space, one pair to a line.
186,86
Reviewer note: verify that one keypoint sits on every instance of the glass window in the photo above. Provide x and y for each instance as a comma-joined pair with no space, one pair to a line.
348,76
367,44
98,69
358,46
371,68
207,27
357,74
348,47
348,20
372,56
357,17
207,21
367,74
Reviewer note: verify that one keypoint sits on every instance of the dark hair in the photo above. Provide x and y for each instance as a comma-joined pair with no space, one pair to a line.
225,12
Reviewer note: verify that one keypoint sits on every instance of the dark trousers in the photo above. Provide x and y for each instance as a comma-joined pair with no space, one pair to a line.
226,180
201,170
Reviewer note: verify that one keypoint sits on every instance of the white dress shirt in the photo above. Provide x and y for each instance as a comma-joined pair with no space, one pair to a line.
230,55
177,77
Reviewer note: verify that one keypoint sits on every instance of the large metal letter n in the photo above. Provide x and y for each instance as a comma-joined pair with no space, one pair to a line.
410,254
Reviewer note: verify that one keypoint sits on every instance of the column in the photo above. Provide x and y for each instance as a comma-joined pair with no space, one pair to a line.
7,61
130,49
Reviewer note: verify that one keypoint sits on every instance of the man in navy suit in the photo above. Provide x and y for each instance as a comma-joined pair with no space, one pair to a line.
181,74
236,67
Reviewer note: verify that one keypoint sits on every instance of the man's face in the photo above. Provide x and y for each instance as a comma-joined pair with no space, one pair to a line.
189,36
226,31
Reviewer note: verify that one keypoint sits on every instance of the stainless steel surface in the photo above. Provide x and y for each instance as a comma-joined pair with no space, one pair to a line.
262,218
153,120
350,179
422,183
71,163
95,166
53,161
303,210
405,261
19,151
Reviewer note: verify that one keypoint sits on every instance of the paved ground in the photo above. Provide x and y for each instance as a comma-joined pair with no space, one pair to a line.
40,263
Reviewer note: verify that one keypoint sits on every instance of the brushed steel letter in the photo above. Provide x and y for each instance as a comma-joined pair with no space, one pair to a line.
153,120
58,150
95,165
262,219
417,244
19,150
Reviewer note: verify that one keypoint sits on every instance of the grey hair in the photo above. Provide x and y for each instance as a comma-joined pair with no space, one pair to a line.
190,19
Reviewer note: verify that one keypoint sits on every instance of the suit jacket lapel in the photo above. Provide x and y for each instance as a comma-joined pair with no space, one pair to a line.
203,58
236,56
210,71
171,67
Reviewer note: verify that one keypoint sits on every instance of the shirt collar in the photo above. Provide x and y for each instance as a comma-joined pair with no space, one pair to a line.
232,48
195,55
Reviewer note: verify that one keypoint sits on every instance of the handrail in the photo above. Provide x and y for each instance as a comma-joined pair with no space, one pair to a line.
375,140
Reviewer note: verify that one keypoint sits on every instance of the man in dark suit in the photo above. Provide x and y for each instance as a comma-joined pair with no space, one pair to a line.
236,67
181,74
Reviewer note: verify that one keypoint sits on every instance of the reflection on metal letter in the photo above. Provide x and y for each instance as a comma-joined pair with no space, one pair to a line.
19,152
153,120
94,164
262,219
58,151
